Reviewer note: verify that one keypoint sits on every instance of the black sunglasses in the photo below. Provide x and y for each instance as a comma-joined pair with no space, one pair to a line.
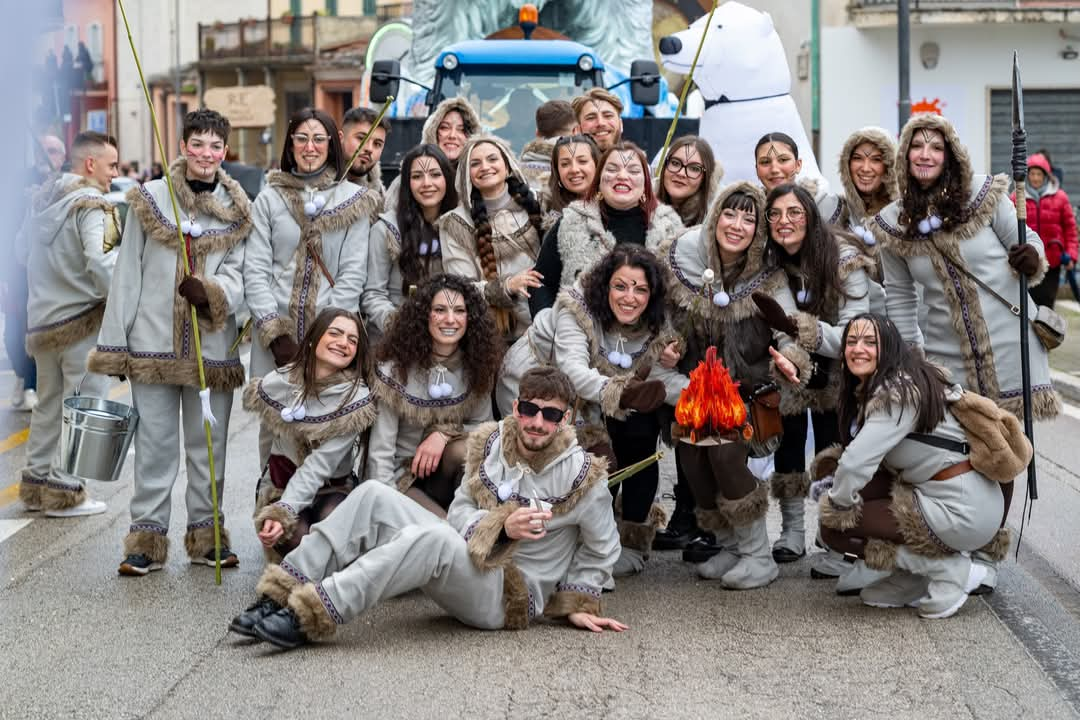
529,409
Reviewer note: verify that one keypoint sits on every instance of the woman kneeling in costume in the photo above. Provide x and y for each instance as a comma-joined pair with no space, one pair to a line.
316,408
895,413
436,366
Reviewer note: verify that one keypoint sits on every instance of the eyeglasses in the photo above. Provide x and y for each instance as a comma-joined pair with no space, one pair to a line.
301,139
691,170
529,409
794,215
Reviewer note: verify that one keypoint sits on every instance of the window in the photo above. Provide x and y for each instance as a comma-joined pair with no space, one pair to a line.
94,41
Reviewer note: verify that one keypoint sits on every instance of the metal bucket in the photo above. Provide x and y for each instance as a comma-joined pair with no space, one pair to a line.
95,437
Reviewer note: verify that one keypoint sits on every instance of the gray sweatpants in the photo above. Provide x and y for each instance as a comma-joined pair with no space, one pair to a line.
59,373
157,453
378,544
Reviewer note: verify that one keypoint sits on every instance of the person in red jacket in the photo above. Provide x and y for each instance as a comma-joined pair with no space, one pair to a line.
1050,214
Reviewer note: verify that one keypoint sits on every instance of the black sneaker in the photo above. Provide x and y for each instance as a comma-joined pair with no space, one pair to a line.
228,559
281,628
138,565
701,548
245,622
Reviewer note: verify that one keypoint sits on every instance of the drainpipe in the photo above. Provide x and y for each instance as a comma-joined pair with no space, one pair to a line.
903,48
815,76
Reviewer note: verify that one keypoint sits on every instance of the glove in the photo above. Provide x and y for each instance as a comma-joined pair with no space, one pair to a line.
641,394
1066,258
820,487
826,467
284,349
192,289
1024,259
774,315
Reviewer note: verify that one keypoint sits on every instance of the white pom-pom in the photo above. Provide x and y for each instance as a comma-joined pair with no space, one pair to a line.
423,248
935,222
196,230
708,276
505,491
868,237
625,362
286,414
613,357
185,227
446,389
924,226
721,299
320,202
802,296
435,246
435,391
207,413
299,413
310,209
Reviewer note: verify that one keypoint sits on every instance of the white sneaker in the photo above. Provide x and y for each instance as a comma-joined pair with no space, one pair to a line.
89,506
17,394
30,400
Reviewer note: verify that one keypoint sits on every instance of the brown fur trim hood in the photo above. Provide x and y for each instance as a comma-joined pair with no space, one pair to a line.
430,133
884,142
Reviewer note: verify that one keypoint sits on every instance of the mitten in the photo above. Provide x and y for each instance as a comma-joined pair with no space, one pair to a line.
774,315
192,289
1024,259
641,394
284,349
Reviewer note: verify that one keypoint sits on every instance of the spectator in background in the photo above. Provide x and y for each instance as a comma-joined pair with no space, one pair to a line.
1050,214
554,119
1055,169
157,172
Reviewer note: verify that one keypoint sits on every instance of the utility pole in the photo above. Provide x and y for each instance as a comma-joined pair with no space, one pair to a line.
179,122
903,48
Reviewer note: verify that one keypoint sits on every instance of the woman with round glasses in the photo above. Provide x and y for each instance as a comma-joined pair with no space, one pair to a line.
574,160
713,271
607,333
435,368
826,273
308,248
619,208
689,179
776,159
404,246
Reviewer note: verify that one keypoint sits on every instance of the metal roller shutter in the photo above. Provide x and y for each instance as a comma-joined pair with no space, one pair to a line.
1052,121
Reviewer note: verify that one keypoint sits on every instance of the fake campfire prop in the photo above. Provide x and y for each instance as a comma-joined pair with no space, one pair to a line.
710,406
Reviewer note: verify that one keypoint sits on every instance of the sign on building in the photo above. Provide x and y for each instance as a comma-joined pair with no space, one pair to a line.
246,106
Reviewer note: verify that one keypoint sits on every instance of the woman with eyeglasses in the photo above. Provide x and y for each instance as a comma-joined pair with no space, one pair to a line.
607,333
712,272
574,160
404,249
493,235
435,369
315,407
309,245
826,272
776,159
689,179
620,207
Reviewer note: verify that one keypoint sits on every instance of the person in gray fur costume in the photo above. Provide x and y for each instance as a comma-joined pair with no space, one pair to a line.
776,160
574,163
146,335
66,245
529,534
947,227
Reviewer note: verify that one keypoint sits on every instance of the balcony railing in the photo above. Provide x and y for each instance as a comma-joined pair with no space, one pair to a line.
967,5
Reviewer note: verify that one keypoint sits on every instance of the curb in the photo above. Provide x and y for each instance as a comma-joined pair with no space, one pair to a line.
1067,385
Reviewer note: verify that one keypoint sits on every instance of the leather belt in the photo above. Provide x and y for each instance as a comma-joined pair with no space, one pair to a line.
953,470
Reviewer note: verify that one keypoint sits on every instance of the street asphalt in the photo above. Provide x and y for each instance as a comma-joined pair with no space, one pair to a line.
76,640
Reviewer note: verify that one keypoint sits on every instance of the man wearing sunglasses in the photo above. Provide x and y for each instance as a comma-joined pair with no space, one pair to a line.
530,532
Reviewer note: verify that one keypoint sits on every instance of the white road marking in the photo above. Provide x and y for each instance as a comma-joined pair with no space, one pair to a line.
10,527
1071,410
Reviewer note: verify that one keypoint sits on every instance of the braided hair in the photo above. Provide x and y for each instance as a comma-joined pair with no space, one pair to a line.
523,197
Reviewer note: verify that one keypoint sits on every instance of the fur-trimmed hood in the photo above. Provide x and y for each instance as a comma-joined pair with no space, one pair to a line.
55,200
463,181
346,202
538,151
930,121
884,142
430,133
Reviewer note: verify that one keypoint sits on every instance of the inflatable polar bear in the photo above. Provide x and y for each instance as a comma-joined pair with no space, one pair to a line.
743,76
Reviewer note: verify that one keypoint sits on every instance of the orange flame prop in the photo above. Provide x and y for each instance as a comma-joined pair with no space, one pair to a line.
711,404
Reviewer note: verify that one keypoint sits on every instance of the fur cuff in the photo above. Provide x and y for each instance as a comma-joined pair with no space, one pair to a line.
276,584
913,528
836,517
496,295
825,462
712,520
58,336
218,311
516,604
565,603
151,544
282,514
273,328
789,485
54,498
30,493
749,508
998,547
611,394
879,554
637,536
803,364
200,541
315,620
484,548
112,362
809,337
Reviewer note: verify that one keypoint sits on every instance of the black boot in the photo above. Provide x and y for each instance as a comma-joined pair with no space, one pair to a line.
281,628
245,622
701,547
680,529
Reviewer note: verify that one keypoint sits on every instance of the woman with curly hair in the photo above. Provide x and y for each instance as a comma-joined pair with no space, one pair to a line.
436,366
574,160
712,272
689,179
607,333
619,208
316,407
952,234
826,273
403,248
493,235
895,417
776,160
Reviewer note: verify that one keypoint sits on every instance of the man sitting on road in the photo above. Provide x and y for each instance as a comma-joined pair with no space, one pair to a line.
530,531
